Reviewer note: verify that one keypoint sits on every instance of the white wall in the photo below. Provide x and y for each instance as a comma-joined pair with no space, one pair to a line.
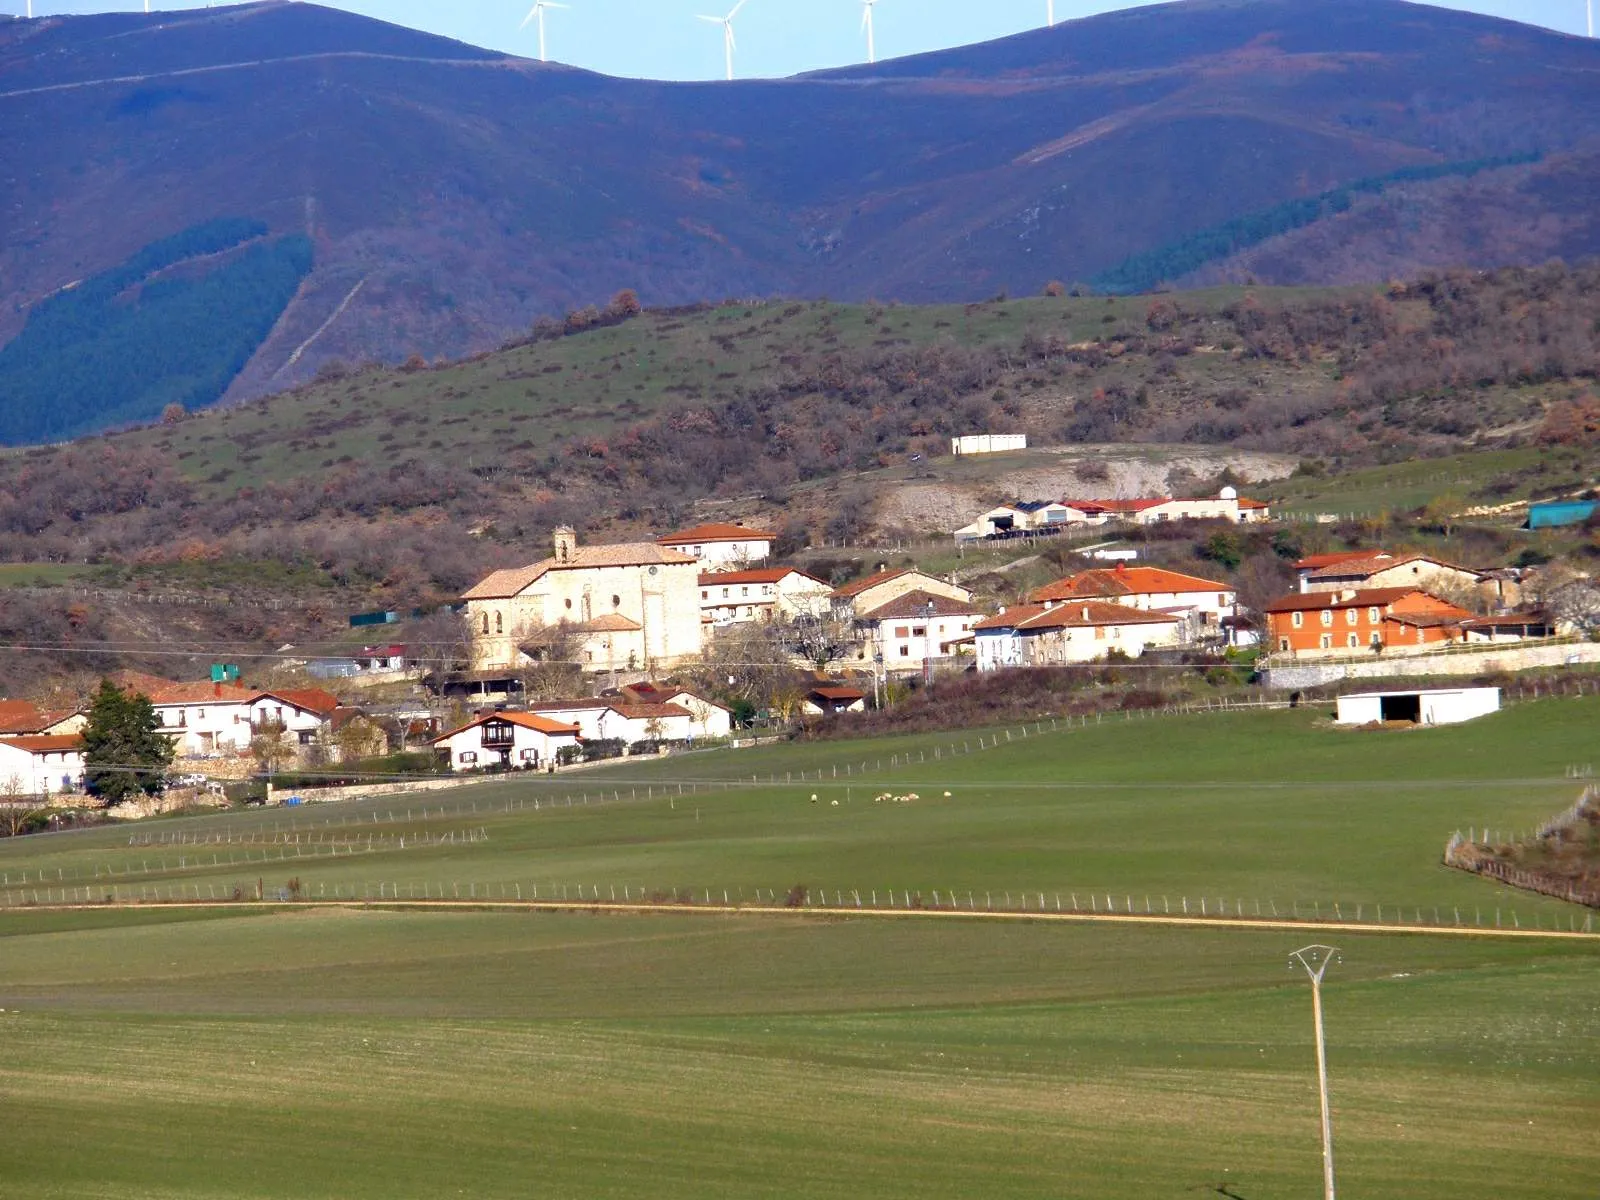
44,774
530,748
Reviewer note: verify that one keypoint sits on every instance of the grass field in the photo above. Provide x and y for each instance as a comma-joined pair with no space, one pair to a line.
304,1051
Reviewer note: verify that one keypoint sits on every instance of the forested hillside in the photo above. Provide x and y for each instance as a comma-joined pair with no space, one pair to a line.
171,326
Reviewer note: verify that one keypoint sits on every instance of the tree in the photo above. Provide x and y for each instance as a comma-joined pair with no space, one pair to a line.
270,750
124,752
820,637
441,645
20,809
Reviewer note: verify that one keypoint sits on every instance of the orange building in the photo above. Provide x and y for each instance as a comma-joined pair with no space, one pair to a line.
1400,618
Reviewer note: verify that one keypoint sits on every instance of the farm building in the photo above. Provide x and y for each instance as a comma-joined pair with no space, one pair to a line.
1436,706
506,740
988,443
1555,514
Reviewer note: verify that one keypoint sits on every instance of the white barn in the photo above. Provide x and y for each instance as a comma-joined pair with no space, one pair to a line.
1432,706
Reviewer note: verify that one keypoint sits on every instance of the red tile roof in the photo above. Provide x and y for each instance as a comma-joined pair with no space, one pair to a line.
1011,618
834,692
1371,564
513,581
202,691
851,590
609,623
531,721
312,700
716,532
1361,598
1124,581
649,712
1313,562
568,705
22,716
1090,613
921,604
50,743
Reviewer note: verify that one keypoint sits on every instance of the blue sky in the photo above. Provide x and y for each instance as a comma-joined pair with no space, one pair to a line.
661,38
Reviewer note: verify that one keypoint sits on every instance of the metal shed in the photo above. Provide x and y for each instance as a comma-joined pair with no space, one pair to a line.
1433,706
1557,513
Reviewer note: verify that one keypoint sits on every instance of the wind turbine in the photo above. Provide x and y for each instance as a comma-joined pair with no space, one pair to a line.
1591,18
1050,12
727,32
536,13
866,24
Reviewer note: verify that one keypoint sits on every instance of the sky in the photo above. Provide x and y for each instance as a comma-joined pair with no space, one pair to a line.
661,39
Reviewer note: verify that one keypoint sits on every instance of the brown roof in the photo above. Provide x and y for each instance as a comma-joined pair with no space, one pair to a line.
851,590
609,623
1123,581
1375,561
139,682
1362,598
836,692
513,581
21,716
45,743
1011,618
202,691
1091,613
762,575
716,532
647,712
568,705
921,604
531,721
1313,562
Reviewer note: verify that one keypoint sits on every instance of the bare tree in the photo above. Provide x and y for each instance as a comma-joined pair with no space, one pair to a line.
19,807
270,749
440,644
820,638
552,669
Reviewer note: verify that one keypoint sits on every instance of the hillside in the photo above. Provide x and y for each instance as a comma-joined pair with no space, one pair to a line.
452,195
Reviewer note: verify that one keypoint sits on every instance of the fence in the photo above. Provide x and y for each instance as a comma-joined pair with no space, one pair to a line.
1468,853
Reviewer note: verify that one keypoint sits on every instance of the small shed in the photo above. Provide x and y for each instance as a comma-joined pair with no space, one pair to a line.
1555,514
1433,706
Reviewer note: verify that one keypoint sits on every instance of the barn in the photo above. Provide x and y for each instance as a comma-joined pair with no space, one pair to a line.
1433,706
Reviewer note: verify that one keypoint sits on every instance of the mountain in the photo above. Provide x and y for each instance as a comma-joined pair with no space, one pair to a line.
451,194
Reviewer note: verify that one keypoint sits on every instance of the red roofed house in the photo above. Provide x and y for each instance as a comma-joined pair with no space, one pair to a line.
506,740
1202,603
826,699
720,546
604,718
708,719
1226,505
915,628
879,589
1075,631
40,764
761,594
1383,569
631,606
23,717
207,720
1332,623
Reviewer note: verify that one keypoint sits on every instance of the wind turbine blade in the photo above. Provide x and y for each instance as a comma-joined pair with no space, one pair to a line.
713,20
732,45
532,13
736,9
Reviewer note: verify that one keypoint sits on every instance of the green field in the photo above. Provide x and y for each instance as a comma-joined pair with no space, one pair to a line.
307,1051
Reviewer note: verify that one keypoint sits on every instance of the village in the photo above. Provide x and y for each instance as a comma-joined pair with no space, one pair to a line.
632,644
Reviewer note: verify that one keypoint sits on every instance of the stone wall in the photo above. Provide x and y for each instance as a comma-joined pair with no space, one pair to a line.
1458,662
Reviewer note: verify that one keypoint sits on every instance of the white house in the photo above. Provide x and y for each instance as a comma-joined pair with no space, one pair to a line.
708,719
40,765
720,545
1022,516
917,627
826,699
1432,706
1038,635
762,594
876,590
1363,569
506,741
1226,505
621,719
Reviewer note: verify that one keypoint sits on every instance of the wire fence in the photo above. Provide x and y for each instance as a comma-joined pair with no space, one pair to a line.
1478,855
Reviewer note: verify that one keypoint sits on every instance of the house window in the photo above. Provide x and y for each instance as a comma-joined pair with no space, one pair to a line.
530,755
499,622
1327,641
1327,618
199,714
1350,616
1372,616
569,603
902,631
704,595
919,631
1354,641
1283,644
486,619
1222,600
616,602
744,591
1297,619
905,651
469,757
724,593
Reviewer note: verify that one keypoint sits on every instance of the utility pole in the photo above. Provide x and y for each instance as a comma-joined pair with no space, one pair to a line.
1315,960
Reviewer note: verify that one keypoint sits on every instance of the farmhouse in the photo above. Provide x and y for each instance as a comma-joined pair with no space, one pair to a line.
1041,635
762,594
1382,569
1226,505
1434,706
22,717
1329,623
719,546
916,628
1204,602
40,764
619,719
623,607
206,719
708,719
864,595
1021,517
506,740
825,699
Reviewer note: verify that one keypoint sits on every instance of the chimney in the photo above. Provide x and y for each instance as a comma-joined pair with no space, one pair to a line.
1122,568
1085,612
566,541
1347,594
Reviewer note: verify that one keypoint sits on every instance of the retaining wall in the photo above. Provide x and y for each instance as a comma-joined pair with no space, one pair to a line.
1459,662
